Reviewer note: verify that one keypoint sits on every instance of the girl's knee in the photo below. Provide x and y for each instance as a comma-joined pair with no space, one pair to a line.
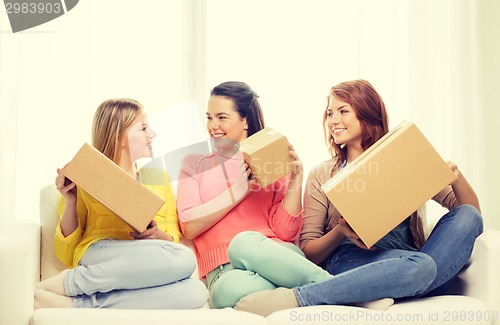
245,239
226,291
235,284
473,215
223,295
177,256
188,260
423,272
470,218
186,254
245,244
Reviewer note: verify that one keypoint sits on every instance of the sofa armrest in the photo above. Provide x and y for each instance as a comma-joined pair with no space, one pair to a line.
20,270
480,278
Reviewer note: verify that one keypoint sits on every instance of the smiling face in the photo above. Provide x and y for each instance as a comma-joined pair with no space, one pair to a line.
224,123
138,138
355,118
343,123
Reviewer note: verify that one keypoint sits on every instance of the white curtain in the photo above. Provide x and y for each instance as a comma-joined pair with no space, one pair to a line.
435,62
55,75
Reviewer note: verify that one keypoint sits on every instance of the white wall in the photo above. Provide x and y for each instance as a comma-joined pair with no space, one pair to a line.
488,108
430,60
292,52
435,62
55,75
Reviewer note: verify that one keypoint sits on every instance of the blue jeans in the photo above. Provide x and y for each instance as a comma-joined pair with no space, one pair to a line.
145,274
256,264
363,275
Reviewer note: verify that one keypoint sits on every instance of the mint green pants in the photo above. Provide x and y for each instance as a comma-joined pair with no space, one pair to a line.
258,263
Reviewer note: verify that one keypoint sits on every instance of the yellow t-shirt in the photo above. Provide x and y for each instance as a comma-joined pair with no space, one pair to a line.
96,222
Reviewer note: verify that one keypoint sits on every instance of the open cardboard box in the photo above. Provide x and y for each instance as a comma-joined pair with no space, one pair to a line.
388,182
267,154
100,177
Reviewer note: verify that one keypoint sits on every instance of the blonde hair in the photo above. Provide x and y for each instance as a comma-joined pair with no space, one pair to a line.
111,119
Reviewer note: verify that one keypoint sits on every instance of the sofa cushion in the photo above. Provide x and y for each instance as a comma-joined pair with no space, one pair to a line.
49,200
434,310
481,273
85,316
19,270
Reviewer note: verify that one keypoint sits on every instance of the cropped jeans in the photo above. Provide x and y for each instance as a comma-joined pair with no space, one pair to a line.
145,274
255,265
362,275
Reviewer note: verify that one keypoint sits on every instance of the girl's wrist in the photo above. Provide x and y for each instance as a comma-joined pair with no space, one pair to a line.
296,178
237,193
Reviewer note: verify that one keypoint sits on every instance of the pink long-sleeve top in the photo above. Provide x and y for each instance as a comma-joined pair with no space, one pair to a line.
204,177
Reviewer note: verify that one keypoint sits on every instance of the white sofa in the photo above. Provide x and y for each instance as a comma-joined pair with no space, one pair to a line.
26,256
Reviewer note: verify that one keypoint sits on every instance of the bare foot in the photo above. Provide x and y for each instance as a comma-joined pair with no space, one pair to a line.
54,284
47,299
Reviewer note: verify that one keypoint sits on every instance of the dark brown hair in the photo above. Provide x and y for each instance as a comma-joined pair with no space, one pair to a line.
246,102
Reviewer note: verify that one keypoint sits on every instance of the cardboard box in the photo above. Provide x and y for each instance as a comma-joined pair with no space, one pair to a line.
388,182
113,187
268,156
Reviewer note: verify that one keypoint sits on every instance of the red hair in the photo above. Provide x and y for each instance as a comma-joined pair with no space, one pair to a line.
370,111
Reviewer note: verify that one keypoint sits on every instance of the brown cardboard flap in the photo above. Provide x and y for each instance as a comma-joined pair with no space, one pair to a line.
267,155
113,187
388,182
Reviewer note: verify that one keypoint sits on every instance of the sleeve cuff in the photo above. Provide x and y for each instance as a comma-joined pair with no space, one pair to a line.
74,236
